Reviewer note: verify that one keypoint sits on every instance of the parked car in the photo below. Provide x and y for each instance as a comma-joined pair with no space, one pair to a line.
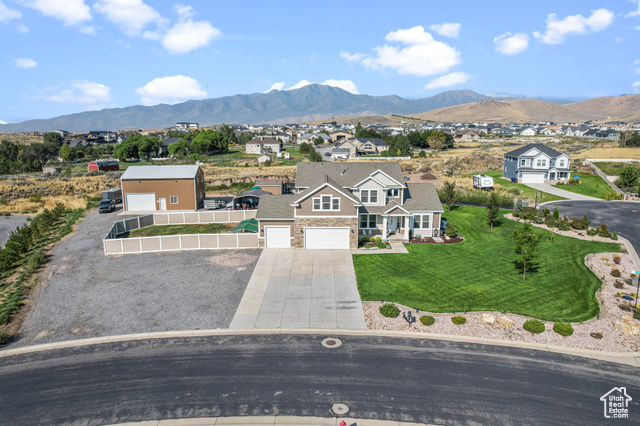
327,154
106,206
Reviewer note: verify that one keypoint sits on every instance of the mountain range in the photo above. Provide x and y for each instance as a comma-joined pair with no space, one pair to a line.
322,102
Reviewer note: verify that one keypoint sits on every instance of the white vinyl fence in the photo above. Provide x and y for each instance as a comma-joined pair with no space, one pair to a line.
604,177
115,245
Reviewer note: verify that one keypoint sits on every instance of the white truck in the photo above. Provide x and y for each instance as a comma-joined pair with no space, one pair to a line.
483,182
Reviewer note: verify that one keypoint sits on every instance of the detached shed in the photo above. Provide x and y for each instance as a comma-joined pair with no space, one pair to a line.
151,188
103,165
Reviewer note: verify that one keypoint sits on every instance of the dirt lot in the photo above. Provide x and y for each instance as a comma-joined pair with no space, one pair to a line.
86,294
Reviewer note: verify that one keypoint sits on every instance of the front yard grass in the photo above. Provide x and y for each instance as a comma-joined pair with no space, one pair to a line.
480,274
525,191
591,185
209,228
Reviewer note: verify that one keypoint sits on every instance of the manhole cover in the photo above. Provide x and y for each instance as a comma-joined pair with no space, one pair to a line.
331,342
339,409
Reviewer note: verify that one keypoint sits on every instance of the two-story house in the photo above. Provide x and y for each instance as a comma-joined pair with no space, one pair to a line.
536,163
261,144
335,203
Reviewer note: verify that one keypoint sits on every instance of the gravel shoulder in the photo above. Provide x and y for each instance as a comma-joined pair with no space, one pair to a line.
9,224
84,293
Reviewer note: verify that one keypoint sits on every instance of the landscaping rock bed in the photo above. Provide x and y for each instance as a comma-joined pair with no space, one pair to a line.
494,325
582,235
429,240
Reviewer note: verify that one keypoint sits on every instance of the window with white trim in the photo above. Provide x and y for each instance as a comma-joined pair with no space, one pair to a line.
423,221
368,221
561,163
369,196
393,193
173,199
541,162
326,202
523,162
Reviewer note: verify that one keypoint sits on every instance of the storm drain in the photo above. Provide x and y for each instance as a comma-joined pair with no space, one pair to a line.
339,409
331,343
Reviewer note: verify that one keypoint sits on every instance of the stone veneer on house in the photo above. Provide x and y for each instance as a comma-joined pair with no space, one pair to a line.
338,222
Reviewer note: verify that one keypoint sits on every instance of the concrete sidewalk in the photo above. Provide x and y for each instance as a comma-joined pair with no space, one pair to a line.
270,420
549,189
293,289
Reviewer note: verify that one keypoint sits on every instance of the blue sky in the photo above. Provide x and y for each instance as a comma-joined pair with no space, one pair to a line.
66,56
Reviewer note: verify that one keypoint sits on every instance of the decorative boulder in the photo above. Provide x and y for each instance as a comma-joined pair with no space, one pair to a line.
626,327
488,319
505,322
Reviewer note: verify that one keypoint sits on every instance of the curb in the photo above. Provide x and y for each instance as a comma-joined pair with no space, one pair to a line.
270,420
627,358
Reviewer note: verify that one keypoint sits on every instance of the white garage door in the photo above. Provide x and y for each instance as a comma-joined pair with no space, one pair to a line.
277,237
139,202
326,238
533,178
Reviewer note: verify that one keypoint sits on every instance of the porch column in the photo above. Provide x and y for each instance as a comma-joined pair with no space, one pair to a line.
407,225
384,227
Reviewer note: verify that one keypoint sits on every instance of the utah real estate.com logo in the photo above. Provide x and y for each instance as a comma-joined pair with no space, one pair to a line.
616,403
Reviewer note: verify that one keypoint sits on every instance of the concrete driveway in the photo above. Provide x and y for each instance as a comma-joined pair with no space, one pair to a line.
549,189
301,289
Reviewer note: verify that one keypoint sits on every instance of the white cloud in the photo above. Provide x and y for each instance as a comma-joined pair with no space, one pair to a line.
170,90
4,122
80,92
131,16
188,35
636,84
511,44
26,63
574,24
7,14
184,11
347,85
71,12
634,12
447,29
89,30
352,57
276,86
422,55
448,80
23,29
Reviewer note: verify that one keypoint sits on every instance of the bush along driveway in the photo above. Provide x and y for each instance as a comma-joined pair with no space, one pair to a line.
480,274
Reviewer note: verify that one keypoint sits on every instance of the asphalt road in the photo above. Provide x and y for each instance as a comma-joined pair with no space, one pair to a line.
377,378
8,224
620,217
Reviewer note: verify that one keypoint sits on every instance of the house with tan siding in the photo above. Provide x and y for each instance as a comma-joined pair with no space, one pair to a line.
336,203
158,188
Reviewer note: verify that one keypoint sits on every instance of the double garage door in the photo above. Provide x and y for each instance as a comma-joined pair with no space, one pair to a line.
141,202
315,238
533,177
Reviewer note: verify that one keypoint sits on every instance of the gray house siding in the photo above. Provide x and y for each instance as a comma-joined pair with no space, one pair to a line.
510,170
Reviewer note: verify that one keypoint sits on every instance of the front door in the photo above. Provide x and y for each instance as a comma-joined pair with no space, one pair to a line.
552,175
162,203
393,224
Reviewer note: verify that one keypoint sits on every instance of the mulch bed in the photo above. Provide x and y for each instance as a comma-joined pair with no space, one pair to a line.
430,240
372,245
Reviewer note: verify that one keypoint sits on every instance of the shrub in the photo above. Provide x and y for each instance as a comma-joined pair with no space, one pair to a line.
618,284
427,320
603,232
592,232
614,236
458,320
556,213
35,198
563,328
422,154
533,326
615,272
389,310
380,244
617,259
563,224
514,191
4,337
450,231
546,212
4,201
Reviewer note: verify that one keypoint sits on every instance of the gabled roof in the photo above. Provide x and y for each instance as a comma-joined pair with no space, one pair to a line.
375,141
160,172
394,205
540,147
422,197
276,207
344,174
326,181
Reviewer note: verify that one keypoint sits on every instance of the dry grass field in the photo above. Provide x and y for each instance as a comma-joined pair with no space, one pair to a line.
20,138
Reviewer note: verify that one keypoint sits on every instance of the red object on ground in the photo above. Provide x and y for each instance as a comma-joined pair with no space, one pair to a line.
103,165
343,423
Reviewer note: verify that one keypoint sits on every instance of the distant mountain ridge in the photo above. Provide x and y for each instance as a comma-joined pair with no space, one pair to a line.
312,102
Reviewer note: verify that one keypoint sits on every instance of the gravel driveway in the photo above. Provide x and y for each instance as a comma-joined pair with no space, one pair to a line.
84,293
9,224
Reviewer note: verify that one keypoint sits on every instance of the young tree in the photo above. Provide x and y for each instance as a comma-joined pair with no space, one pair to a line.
318,141
526,243
179,149
53,138
314,156
628,177
493,209
449,194
437,140
305,148
67,153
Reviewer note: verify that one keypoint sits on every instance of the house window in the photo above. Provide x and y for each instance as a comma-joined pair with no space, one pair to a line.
425,221
326,202
394,193
541,163
368,221
369,196
560,163
523,162
173,199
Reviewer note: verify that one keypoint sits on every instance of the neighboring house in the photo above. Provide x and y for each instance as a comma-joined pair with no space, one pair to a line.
371,145
335,203
186,127
262,144
340,153
284,137
62,133
306,138
466,135
101,136
536,163
350,144
103,165
151,188
529,131
337,136
273,186
263,158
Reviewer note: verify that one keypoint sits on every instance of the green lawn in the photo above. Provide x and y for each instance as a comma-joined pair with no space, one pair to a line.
154,231
480,274
612,168
526,192
591,185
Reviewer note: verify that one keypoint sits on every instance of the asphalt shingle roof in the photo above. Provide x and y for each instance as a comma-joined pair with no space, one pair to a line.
540,147
276,207
160,172
422,197
309,174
